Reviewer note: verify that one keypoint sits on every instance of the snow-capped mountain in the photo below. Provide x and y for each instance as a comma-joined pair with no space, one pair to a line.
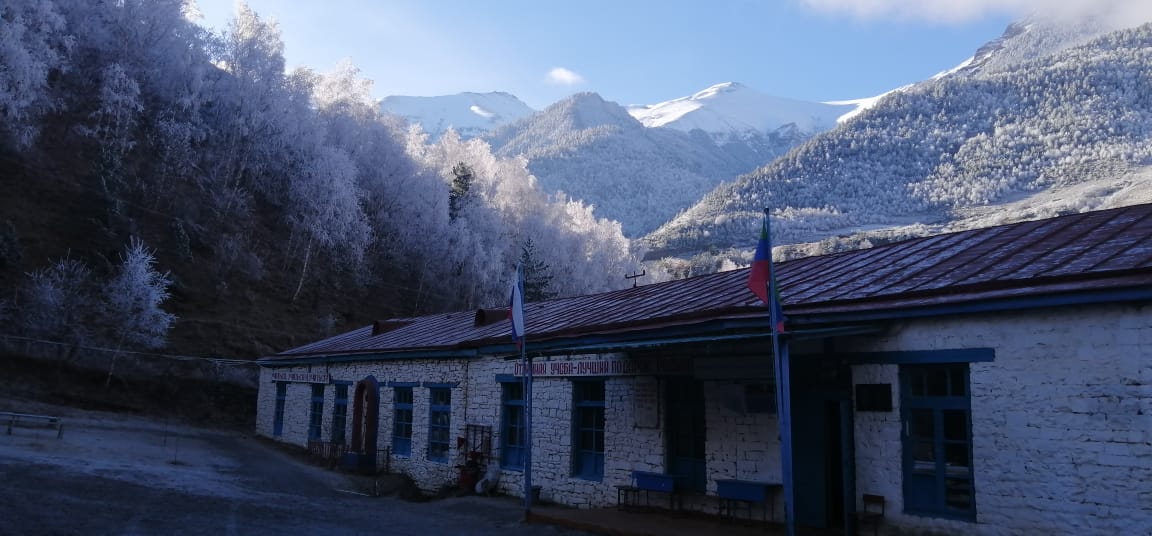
731,108
592,150
595,151
470,114
639,165
1016,127
644,164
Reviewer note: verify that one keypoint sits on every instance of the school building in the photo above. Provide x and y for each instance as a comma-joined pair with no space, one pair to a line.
991,381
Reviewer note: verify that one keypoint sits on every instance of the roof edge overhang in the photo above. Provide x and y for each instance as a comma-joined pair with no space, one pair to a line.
808,322
733,331
287,361
889,311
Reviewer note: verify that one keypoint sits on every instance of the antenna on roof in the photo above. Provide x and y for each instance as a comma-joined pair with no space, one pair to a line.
635,275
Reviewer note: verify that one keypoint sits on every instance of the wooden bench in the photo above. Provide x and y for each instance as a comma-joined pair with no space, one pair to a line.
627,496
29,419
647,482
326,453
872,512
747,493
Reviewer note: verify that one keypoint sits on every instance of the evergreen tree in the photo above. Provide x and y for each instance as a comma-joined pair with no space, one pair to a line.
461,183
537,274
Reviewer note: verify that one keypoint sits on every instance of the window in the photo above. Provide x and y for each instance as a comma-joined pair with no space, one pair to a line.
937,417
278,415
439,419
340,413
512,426
588,429
316,416
402,421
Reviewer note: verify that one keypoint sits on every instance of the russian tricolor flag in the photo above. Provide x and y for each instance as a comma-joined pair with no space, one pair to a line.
516,307
761,281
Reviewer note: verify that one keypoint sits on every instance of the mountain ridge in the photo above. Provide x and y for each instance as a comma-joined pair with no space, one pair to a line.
1009,128
469,113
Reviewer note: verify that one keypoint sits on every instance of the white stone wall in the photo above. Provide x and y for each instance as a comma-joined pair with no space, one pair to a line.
877,441
743,446
477,400
1062,424
1061,421
739,445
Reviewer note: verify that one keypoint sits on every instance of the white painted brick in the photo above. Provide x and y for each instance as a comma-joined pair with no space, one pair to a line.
1060,434
1062,423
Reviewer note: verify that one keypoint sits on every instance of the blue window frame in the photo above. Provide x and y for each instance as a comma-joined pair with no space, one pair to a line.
402,421
588,429
316,415
512,444
278,414
340,413
936,411
439,423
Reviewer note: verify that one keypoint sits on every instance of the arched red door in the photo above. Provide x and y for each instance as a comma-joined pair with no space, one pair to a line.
365,424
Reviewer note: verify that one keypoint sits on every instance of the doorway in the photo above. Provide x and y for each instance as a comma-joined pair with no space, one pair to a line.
365,424
685,427
822,456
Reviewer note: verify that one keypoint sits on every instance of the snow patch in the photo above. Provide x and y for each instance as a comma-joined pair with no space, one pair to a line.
733,108
470,114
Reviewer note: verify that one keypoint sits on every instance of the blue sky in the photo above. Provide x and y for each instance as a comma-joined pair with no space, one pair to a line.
634,51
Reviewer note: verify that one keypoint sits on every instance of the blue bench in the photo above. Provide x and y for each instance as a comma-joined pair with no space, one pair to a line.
647,482
746,493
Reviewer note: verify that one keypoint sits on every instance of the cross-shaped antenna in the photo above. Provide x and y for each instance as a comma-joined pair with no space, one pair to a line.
635,275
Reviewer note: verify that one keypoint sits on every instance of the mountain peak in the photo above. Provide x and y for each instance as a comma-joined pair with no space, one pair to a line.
731,108
589,110
469,113
717,90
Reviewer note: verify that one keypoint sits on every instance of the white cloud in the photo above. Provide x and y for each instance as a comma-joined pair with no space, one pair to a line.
1124,12
560,75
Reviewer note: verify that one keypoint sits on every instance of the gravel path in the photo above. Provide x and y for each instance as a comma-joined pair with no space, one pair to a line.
124,475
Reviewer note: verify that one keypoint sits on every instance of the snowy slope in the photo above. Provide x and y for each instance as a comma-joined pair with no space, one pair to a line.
594,151
471,114
1013,123
733,108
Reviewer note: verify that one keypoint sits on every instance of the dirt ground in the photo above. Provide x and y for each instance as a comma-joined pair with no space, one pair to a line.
122,474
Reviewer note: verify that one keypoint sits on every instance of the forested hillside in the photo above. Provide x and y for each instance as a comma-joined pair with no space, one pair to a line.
249,208
1037,111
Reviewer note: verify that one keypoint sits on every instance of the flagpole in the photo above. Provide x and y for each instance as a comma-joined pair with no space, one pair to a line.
527,407
783,390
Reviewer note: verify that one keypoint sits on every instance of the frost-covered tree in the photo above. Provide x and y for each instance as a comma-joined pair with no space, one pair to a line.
113,127
59,302
296,181
33,44
132,299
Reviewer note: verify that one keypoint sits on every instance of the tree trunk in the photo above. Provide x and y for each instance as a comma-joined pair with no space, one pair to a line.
303,271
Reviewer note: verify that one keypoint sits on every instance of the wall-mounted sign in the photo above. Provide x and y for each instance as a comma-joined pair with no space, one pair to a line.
301,377
618,366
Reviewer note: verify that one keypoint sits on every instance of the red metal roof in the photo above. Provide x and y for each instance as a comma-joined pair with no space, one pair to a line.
1103,250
